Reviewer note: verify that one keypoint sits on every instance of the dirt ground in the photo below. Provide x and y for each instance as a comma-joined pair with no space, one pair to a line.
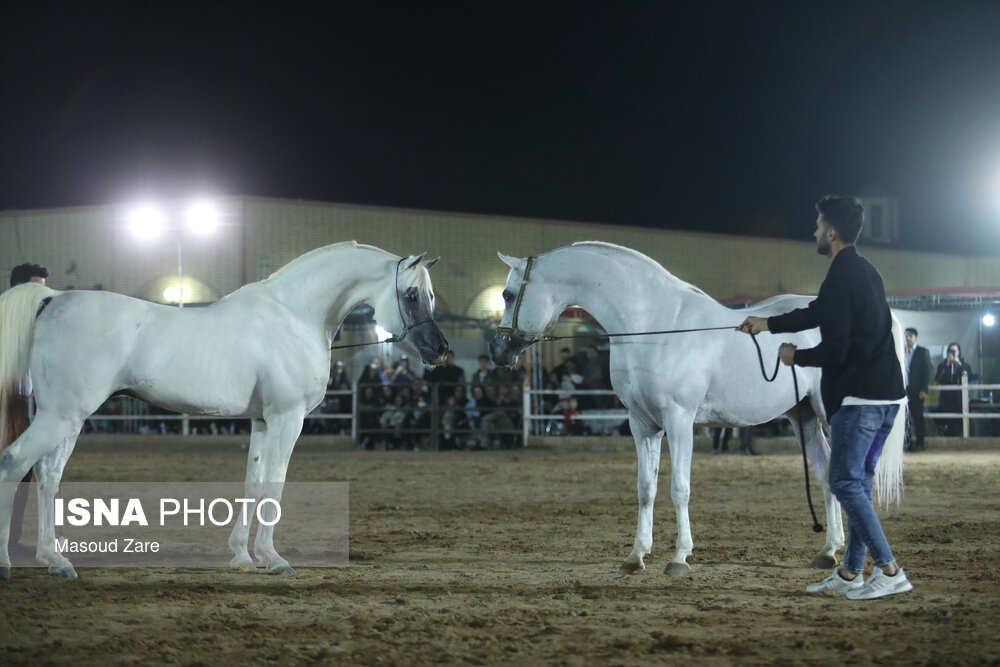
512,557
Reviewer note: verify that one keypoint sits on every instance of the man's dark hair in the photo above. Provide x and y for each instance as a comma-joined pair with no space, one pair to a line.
845,214
23,273
910,330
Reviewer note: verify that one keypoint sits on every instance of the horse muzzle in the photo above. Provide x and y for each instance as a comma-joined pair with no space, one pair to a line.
505,348
430,343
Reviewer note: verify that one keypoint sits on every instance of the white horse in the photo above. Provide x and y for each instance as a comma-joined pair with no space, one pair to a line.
262,352
669,383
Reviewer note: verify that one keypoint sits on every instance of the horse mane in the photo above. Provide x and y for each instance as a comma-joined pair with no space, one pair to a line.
652,263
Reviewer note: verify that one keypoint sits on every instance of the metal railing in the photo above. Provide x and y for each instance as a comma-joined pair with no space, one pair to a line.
133,414
966,414
530,416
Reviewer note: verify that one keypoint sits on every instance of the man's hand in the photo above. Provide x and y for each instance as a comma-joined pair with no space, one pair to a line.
753,325
923,395
787,354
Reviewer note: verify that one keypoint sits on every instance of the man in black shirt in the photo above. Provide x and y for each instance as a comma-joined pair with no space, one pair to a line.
861,386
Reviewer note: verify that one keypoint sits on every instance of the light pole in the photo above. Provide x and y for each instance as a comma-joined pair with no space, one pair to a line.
148,222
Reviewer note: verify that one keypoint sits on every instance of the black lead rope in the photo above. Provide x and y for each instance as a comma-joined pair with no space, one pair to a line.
817,526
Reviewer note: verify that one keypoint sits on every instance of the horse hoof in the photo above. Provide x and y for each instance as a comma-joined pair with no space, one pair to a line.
677,569
5,573
66,572
281,569
630,567
244,568
823,562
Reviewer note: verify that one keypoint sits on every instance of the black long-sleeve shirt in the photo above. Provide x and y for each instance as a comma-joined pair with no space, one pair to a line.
857,352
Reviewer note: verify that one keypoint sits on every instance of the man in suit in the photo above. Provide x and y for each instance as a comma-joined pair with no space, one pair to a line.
918,374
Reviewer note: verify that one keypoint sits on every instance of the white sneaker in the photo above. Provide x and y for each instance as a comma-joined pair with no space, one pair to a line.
837,583
880,584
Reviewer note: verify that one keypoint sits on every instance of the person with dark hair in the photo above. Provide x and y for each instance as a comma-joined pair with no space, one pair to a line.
861,386
918,375
20,274
950,371
28,273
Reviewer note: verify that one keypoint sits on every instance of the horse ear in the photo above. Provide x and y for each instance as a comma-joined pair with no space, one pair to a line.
512,262
416,260
431,263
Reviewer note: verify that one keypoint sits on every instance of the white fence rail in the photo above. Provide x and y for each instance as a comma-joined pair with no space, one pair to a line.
134,415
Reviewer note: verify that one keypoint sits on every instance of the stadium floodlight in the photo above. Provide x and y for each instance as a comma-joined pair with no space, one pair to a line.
989,320
147,221
202,217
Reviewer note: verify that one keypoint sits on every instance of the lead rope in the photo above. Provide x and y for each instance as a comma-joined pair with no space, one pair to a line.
817,526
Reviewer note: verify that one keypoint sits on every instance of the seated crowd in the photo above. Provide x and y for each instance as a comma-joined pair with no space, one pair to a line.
478,412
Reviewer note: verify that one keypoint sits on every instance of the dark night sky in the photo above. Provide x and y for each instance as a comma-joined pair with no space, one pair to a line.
718,116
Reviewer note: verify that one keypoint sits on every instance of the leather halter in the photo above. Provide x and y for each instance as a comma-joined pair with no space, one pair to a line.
513,329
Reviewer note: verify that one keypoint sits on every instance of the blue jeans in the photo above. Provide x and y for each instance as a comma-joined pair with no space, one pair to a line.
859,432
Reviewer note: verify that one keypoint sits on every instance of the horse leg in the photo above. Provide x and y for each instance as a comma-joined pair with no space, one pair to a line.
240,536
680,440
48,473
818,453
647,449
283,431
43,436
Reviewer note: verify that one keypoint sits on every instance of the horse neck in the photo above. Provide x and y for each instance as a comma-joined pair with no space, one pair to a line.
629,293
324,287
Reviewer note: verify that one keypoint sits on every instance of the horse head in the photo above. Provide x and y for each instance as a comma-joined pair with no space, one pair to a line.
406,308
528,312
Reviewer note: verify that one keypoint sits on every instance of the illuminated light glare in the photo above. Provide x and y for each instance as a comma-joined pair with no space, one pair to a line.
147,222
202,218
170,294
381,334
989,320
497,304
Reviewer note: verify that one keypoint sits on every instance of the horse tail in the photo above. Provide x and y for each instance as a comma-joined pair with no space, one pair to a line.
889,471
18,309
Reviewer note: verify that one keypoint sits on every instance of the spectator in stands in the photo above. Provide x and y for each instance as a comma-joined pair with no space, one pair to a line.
950,372
501,423
595,378
474,415
447,374
338,376
23,273
401,373
392,421
450,438
484,374
370,375
571,424
564,354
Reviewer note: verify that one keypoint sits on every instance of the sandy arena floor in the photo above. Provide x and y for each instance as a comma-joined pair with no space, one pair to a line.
513,558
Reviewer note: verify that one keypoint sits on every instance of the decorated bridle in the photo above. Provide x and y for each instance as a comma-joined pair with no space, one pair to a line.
513,329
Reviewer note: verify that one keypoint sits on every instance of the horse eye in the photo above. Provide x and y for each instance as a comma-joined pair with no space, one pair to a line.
507,296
